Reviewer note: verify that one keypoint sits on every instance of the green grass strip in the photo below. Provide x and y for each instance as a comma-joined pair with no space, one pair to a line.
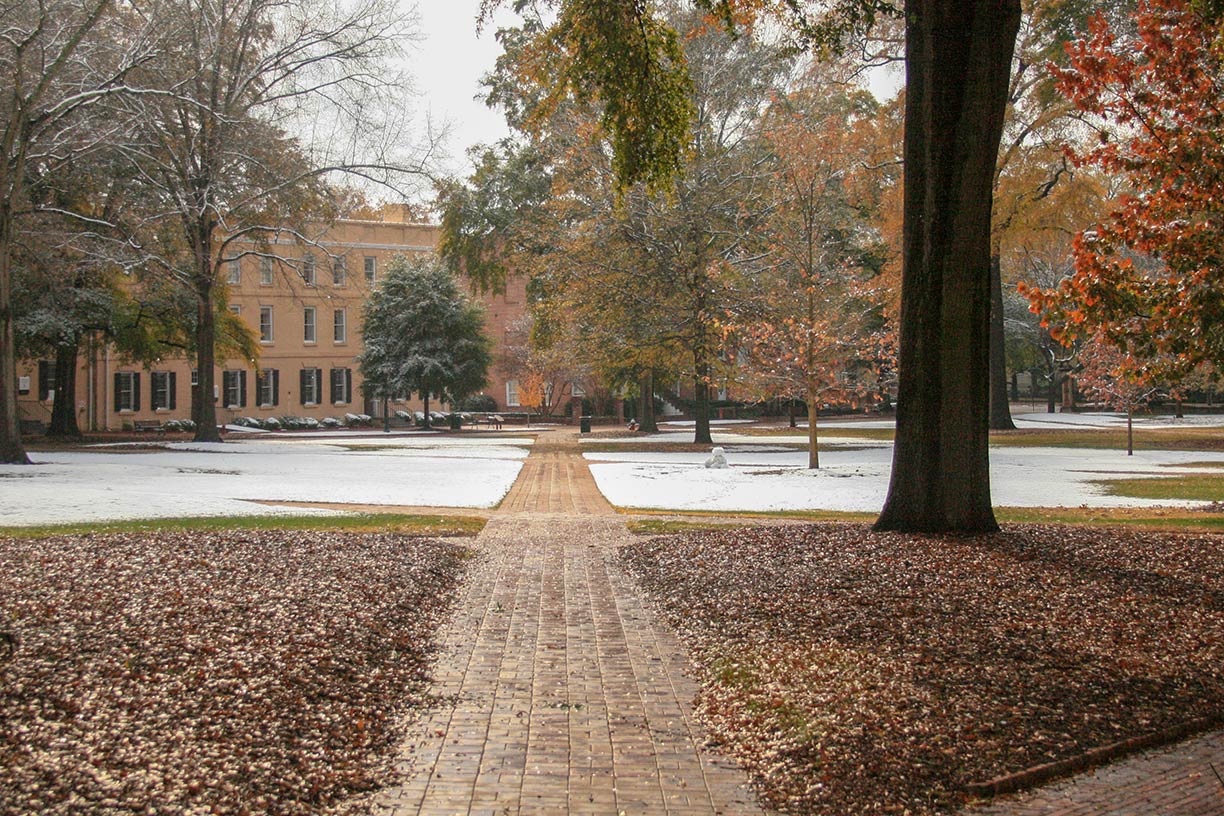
1190,486
1146,517
410,524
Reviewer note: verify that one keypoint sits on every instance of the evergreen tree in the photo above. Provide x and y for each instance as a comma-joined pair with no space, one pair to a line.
422,335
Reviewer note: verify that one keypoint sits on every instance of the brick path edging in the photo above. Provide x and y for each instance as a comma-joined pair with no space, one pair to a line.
1040,774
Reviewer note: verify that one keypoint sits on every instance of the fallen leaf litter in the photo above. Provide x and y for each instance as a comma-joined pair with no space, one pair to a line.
240,672
856,672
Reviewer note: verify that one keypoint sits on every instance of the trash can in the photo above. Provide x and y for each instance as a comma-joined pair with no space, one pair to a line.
584,424
456,421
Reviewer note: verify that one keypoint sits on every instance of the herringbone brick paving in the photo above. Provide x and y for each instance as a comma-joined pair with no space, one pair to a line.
559,692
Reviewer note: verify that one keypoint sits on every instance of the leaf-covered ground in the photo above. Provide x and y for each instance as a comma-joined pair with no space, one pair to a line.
242,672
855,672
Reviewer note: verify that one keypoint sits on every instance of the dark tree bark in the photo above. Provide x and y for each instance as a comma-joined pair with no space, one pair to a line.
63,409
701,410
1000,408
12,452
646,422
958,63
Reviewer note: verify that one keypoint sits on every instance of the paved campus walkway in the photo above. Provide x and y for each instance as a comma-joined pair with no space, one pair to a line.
561,693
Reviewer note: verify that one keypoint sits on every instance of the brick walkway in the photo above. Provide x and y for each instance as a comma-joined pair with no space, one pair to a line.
561,694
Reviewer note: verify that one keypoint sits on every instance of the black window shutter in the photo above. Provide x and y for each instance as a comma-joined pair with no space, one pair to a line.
242,388
45,373
136,392
118,398
348,385
173,388
302,384
275,373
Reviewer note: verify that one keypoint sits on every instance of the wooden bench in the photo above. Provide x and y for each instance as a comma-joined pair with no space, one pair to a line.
148,426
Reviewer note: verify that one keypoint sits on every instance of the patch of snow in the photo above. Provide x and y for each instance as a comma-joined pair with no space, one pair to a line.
858,480
192,479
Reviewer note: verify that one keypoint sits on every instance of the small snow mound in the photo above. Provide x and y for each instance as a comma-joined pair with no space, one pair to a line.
718,459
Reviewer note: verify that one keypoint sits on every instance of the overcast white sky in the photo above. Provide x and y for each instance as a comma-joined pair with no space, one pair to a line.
447,65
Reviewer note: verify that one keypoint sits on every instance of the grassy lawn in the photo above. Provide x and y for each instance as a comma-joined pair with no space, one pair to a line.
237,671
855,672
1194,487
408,524
1155,518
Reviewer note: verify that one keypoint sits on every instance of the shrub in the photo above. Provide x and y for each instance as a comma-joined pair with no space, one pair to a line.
271,424
480,403
179,425
329,422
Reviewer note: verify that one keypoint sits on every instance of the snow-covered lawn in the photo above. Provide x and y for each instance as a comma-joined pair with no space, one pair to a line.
187,479
856,478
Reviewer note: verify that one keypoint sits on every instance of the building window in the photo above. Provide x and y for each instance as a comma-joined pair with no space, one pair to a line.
341,385
308,269
267,386
309,334
46,380
577,390
339,272
340,326
195,378
265,324
371,269
265,271
127,391
164,388
311,385
233,271
235,308
512,394
233,384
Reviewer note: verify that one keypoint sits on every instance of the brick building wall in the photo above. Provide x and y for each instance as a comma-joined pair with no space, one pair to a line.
304,307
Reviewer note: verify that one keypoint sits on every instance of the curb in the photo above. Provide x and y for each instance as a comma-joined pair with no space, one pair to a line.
1038,774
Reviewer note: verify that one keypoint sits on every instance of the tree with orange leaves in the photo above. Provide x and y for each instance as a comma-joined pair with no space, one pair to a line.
818,323
1151,278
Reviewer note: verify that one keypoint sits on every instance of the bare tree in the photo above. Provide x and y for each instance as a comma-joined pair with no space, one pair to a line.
58,60
261,104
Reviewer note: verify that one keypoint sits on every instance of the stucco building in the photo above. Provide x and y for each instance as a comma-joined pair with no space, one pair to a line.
305,313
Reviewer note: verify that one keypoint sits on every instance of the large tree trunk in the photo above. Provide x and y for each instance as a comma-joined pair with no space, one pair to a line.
1000,409
425,409
63,409
958,62
12,452
647,422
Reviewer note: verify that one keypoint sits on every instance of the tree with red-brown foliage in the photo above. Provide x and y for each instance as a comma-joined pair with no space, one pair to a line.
1149,279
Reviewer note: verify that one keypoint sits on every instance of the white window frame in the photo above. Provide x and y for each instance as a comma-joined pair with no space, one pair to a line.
340,326
233,271
126,396
265,271
310,325
371,268
266,386
265,324
315,381
161,390
512,394
339,271
310,270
